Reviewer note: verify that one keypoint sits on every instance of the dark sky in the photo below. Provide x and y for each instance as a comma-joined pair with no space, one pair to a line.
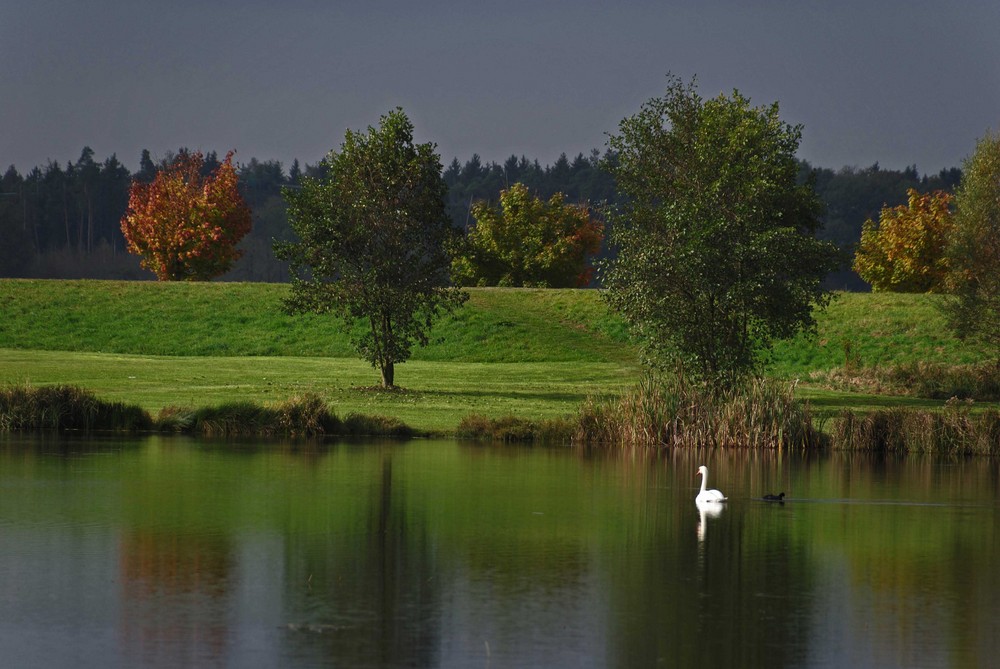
897,82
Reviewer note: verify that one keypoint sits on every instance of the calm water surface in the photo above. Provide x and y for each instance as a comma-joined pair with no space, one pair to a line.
165,552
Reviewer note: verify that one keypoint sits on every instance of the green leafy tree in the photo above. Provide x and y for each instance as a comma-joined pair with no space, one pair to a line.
527,241
974,247
716,249
372,238
905,251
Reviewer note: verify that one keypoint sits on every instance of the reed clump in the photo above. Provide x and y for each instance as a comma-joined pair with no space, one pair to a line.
363,425
25,407
954,431
511,429
672,412
63,407
305,416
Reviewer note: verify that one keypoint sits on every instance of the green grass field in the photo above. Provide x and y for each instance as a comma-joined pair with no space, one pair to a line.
531,353
877,329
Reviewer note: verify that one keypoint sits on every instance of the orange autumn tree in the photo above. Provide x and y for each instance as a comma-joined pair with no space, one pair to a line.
527,241
905,251
185,226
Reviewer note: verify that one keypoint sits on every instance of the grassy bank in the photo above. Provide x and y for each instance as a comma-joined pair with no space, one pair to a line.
864,330
496,325
533,354
246,320
435,396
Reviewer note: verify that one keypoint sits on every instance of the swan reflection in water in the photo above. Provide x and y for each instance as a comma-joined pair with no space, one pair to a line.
707,510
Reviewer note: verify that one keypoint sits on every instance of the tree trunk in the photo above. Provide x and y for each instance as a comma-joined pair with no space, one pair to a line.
387,374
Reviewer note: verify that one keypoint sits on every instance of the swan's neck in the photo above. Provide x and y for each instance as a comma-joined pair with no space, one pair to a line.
703,482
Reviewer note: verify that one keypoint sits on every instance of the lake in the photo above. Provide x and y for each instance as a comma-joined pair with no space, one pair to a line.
167,552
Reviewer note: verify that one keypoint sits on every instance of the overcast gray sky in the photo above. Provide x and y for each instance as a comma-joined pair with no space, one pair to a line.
897,82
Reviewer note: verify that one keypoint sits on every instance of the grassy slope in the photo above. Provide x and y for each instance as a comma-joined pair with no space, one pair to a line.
531,353
243,319
534,353
880,329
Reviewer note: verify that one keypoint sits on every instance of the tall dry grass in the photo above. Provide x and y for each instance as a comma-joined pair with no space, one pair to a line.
978,381
25,407
304,416
511,429
62,407
671,411
954,431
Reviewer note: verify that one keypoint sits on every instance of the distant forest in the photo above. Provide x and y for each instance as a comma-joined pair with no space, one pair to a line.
63,221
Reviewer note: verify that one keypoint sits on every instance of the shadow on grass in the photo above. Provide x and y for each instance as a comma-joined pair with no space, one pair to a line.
509,395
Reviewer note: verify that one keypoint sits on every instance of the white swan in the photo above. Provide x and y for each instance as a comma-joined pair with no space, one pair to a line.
705,496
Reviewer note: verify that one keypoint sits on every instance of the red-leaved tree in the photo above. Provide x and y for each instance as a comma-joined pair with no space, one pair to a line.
185,226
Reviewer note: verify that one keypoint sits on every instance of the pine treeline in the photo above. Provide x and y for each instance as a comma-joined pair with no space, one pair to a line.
64,222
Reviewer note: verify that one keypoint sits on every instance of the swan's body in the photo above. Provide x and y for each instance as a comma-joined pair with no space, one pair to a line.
707,496
780,497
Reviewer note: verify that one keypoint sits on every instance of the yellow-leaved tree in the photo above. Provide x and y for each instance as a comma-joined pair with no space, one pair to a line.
905,251
527,241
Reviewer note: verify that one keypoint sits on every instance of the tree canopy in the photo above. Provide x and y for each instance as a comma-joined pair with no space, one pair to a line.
527,241
973,252
185,226
372,236
65,222
716,249
905,251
